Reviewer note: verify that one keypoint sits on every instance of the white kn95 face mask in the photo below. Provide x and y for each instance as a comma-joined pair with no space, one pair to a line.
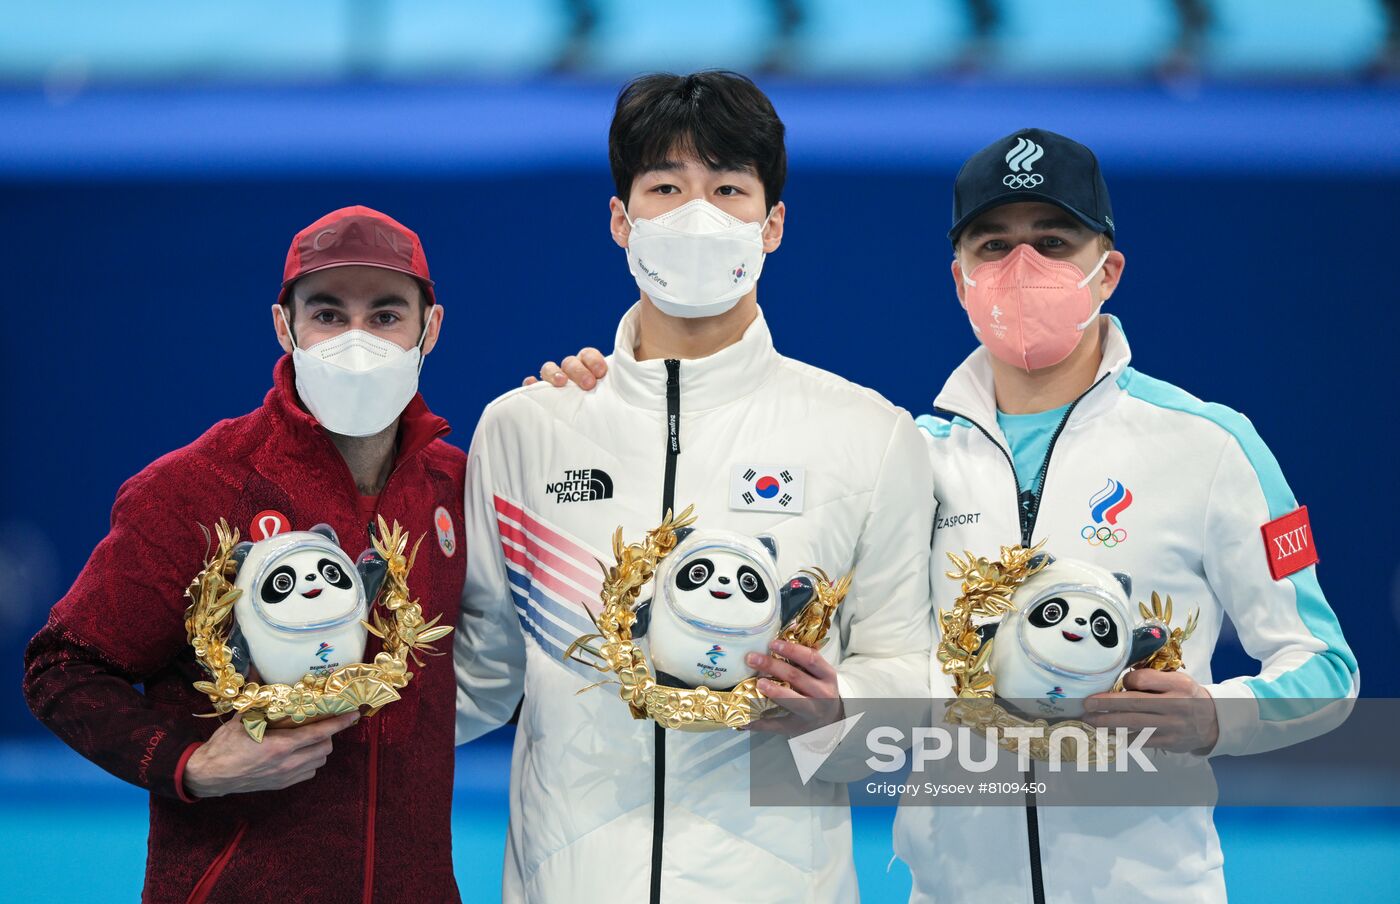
696,260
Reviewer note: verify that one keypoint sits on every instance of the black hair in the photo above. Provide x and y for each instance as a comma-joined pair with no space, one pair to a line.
720,117
289,307
290,301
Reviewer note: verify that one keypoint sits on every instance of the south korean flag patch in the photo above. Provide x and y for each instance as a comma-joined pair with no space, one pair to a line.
767,488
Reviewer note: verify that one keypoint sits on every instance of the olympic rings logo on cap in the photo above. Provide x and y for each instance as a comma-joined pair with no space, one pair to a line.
1103,536
1022,180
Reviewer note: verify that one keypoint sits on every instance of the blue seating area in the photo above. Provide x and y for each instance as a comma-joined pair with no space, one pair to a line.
631,36
157,40
1087,37
880,37
1335,37
428,38
146,41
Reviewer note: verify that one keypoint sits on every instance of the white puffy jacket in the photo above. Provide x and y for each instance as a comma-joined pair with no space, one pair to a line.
1188,486
552,472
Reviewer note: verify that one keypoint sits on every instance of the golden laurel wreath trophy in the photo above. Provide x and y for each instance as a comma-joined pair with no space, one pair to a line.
715,597
299,605
1040,656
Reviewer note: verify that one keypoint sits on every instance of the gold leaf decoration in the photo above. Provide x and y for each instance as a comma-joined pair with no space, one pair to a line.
987,588
683,709
373,685
986,591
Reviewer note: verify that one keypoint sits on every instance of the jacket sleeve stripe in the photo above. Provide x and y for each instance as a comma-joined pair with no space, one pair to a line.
551,639
937,427
934,426
1330,673
538,599
540,557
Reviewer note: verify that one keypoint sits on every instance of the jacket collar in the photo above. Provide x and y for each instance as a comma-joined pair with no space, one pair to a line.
417,425
969,390
709,382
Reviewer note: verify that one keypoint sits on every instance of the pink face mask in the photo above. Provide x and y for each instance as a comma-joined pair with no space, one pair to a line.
1029,310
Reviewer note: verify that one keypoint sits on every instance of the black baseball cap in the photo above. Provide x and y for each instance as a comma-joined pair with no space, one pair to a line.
1032,165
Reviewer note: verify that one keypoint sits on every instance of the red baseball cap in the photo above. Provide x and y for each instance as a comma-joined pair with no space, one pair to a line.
356,236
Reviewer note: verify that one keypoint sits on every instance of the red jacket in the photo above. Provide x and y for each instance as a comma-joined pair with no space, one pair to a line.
375,822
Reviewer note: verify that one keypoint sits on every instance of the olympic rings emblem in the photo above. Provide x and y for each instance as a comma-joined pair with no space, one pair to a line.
1022,180
1106,537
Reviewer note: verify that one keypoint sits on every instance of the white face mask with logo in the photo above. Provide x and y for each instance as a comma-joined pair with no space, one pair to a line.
696,260
357,383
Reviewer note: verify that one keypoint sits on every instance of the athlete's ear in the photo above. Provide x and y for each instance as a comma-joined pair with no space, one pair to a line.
435,313
958,282
280,316
1111,273
617,221
773,231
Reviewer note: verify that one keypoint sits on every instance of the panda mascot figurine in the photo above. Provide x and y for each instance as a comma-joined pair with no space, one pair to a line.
301,605
715,599
1070,635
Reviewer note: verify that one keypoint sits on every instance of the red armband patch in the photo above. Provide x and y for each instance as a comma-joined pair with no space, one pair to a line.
1288,541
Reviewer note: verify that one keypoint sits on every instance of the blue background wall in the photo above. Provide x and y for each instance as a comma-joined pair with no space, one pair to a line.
140,263
156,156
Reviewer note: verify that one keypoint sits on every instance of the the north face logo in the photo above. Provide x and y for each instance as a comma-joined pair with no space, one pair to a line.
581,485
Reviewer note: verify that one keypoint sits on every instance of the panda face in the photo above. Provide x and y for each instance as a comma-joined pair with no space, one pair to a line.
279,585
1075,631
722,587
700,573
306,586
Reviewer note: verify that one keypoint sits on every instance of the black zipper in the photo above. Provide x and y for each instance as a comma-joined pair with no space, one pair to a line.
1039,486
1033,837
668,504
1028,502
673,434
1028,510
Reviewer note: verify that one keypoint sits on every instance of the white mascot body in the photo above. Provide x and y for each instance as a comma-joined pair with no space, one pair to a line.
716,598
1070,635
301,607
